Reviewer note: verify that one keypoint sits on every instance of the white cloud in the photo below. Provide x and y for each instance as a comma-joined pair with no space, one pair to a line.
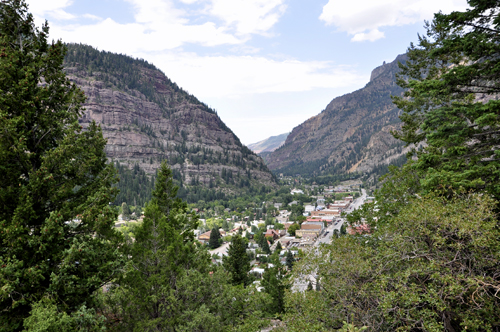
364,18
51,8
248,16
234,76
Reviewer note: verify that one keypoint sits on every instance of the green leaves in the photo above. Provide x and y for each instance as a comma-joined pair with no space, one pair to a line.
56,231
450,105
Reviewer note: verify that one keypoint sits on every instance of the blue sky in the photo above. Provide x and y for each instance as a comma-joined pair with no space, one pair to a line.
264,65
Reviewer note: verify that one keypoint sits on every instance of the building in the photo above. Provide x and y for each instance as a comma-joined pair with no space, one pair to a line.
329,212
296,191
309,208
310,229
205,237
272,233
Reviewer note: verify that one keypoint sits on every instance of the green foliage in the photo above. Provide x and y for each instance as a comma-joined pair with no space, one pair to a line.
45,317
451,105
57,234
135,186
432,267
294,227
237,262
162,255
265,245
215,238
289,260
275,283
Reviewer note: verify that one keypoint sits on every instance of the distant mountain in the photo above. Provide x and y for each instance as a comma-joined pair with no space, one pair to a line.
269,144
351,135
147,118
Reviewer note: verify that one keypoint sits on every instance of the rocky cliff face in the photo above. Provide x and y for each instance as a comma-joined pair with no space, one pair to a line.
351,135
147,118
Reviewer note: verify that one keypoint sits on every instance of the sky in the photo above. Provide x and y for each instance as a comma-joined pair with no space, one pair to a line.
265,66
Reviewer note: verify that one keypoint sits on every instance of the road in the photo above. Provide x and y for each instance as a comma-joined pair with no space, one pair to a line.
221,251
336,226
357,202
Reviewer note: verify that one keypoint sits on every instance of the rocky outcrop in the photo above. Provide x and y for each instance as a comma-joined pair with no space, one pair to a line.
146,119
351,134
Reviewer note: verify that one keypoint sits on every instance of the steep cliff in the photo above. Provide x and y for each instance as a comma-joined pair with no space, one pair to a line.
147,118
351,135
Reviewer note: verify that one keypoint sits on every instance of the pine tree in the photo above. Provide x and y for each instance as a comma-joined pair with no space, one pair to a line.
125,211
237,261
161,255
265,246
279,247
289,260
225,225
57,241
215,237
451,103
275,284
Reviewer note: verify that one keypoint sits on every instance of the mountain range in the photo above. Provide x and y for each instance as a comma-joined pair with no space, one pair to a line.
352,134
147,118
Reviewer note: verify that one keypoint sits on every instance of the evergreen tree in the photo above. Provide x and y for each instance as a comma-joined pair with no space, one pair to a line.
237,261
125,211
289,260
265,246
275,284
215,238
225,225
57,242
451,104
278,247
162,254
309,286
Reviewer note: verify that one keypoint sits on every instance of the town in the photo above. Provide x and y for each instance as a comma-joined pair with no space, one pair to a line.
289,230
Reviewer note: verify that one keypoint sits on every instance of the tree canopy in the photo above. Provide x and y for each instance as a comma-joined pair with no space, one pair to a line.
452,78
57,241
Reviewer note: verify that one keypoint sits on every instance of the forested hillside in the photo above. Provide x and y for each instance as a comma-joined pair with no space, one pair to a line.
147,118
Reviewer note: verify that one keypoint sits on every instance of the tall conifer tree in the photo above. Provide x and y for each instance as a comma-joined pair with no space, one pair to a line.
57,241
237,261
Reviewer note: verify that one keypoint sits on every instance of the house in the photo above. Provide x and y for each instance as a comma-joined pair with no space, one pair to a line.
296,191
309,208
278,205
272,233
205,237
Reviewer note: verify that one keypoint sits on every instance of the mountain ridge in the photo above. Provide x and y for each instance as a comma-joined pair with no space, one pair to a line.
352,134
147,118
269,144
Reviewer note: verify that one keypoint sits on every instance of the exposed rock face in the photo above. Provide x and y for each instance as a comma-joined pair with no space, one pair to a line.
351,134
147,118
